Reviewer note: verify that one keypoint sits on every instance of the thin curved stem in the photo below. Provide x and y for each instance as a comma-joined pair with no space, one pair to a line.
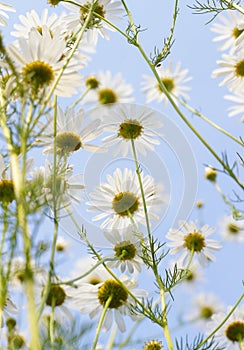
100,323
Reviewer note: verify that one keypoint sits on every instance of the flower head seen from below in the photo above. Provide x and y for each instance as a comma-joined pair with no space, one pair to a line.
231,229
130,122
228,29
191,241
108,9
3,9
39,60
174,80
232,69
73,133
120,199
110,90
112,294
205,305
231,334
53,22
127,249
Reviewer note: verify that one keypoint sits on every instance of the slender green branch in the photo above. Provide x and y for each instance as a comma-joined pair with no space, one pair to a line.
100,323
210,122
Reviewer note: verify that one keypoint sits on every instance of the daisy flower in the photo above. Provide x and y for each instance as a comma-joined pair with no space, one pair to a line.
3,9
232,69
189,239
173,80
58,297
129,121
109,9
229,29
93,298
38,59
238,108
111,89
231,334
62,244
120,199
32,20
9,308
127,249
205,305
231,229
68,186
72,135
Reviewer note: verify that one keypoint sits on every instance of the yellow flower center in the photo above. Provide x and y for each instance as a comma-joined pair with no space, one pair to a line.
206,312
194,242
125,203
125,250
236,32
94,21
68,142
106,96
168,83
233,229
239,69
38,75
92,82
130,129
56,296
6,191
114,290
235,331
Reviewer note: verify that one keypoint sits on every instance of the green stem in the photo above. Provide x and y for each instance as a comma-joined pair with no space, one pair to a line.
221,324
233,4
210,122
100,323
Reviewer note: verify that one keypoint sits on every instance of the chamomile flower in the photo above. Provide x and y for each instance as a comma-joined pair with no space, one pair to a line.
3,8
93,298
205,305
173,80
68,188
190,240
231,229
53,22
238,108
111,89
73,133
120,199
228,29
127,249
129,122
231,334
38,60
232,69
108,9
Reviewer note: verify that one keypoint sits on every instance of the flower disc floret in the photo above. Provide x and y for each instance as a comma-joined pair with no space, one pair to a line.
130,129
125,203
194,241
235,331
236,32
206,312
92,82
239,69
168,83
56,296
106,96
114,290
94,20
6,191
125,250
68,142
38,74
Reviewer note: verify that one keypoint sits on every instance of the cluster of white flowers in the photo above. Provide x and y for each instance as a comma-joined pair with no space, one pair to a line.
44,64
